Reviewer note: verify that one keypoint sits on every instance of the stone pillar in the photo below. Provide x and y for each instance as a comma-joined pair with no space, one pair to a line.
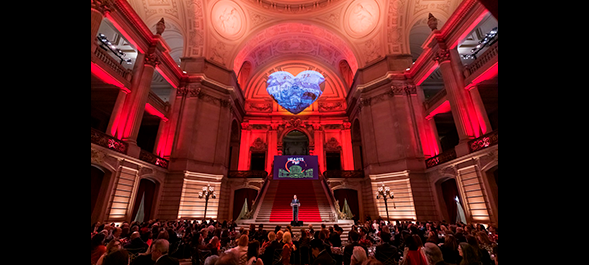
116,113
318,137
135,102
166,134
347,150
427,134
272,147
457,96
481,112
244,147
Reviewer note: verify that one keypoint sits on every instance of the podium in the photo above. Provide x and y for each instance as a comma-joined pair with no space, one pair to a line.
295,214
295,223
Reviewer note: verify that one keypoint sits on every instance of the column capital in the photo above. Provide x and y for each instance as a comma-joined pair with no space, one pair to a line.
443,55
151,59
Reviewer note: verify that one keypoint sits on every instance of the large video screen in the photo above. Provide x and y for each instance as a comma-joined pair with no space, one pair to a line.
296,167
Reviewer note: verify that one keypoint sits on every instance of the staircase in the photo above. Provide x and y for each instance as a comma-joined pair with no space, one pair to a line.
276,202
277,197
267,202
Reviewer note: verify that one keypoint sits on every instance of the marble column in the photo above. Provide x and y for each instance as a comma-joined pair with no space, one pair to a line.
457,96
135,102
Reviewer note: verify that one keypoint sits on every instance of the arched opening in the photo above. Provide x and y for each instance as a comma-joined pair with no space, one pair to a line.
448,205
346,72
357,146
493,184
145,201
295,143
417,36
244,74
351,196
100,179
240,197
96,179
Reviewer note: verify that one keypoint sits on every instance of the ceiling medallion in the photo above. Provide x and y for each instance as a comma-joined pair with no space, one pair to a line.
228,19
361,18
295,94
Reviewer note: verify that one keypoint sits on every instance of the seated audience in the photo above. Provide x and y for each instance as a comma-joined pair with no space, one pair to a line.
321,256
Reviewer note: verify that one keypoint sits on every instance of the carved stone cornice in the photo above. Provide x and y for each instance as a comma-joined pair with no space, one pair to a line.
404,89
103,6
192,90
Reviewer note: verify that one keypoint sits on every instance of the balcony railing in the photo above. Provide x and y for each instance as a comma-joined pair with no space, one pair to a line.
441,158
343,174
490,54
248,174
113,64
153,159
484,141
474,145
100,138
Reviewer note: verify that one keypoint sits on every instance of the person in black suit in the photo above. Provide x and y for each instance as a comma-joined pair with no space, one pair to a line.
159,253
321,255
295,208
386,253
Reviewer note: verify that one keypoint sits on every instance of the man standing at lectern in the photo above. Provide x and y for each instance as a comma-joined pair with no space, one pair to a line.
295,204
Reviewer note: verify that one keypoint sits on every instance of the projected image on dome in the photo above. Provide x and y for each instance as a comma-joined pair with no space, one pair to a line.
295,94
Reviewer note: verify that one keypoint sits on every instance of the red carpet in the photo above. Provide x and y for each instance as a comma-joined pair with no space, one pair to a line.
281,210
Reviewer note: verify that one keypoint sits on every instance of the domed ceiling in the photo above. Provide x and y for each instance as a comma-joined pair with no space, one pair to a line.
258,37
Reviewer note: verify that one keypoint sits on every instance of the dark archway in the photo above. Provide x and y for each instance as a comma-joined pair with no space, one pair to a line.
449,193
96,178
295,143
352,197
492,180
146,193
239,198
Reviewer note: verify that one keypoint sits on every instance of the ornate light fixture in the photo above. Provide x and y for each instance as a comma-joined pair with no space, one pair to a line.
386,194
206,193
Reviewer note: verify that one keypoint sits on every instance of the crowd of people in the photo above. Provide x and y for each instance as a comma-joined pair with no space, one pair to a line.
224,243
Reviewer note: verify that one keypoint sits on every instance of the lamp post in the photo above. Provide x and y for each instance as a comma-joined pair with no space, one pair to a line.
206,193
386,194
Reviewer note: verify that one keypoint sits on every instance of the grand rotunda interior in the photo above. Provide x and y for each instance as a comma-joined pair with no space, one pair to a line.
336,101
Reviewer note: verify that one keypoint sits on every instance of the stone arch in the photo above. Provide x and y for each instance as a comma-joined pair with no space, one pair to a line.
148,190
445,205
297,128
101,186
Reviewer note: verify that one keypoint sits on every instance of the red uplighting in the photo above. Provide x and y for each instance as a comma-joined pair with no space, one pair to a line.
106,77
153,111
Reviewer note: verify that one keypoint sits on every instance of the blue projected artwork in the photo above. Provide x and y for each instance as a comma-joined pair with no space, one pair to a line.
295,94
